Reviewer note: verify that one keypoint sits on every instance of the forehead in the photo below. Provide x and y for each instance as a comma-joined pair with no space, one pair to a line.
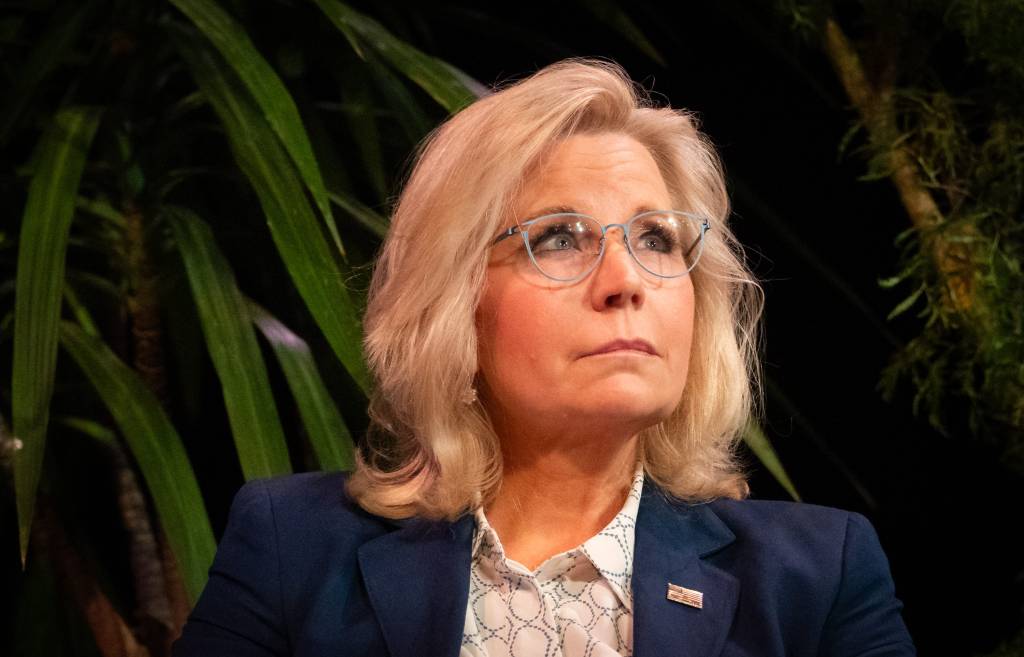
594,174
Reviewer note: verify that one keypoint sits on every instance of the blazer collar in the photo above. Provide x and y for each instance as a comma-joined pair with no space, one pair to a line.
672,539
417,579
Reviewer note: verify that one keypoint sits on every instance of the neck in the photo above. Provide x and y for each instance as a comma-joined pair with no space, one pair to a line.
557,494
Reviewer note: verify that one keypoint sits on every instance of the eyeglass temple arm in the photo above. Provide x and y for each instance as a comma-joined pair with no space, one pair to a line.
705,227
512,230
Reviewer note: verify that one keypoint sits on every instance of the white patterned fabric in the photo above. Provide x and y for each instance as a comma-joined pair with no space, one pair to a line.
576,604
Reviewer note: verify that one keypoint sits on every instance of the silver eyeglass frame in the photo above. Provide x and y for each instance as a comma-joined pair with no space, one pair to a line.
524,230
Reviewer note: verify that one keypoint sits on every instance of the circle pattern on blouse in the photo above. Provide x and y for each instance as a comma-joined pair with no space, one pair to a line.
576,604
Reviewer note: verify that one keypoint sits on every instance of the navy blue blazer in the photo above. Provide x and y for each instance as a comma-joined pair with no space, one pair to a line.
302,570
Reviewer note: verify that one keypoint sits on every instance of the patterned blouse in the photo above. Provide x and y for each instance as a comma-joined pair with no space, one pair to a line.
576,604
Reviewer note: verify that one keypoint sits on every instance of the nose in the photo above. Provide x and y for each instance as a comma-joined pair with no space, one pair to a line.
617,281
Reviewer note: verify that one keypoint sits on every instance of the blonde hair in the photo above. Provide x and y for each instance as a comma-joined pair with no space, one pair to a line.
432,451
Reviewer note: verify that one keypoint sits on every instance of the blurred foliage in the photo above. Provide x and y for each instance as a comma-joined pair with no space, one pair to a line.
1013,647
950,74
150,149
189,187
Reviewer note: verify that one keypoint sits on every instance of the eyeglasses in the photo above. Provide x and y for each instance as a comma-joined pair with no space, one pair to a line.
567,246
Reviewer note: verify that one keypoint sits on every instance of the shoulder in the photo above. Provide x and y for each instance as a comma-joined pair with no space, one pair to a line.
795,541
305,525
831,560
783,519
288,552
307,489
314,502
791,538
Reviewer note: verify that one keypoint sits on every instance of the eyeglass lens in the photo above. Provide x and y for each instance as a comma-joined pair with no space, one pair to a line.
565,246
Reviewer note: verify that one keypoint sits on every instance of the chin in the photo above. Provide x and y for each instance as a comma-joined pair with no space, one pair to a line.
640,405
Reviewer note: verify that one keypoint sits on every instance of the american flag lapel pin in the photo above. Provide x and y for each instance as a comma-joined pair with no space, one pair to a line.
685,596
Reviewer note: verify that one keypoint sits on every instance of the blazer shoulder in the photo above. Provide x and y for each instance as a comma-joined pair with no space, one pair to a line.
790,533
313,499
291,542
781,513
828,559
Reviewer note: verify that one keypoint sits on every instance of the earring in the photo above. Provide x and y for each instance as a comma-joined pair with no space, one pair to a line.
469,397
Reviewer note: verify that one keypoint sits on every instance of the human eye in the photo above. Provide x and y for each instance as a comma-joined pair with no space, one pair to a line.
554,238
655,237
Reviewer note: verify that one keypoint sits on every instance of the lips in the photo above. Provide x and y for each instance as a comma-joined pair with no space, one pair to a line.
623,345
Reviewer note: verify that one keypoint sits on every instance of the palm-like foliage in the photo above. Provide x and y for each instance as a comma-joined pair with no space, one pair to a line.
125,209
175,138
947,132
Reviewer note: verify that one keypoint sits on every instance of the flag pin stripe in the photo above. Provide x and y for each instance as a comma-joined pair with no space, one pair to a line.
685,596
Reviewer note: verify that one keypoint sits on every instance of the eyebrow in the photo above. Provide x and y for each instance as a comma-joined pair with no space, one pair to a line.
558,209
554,209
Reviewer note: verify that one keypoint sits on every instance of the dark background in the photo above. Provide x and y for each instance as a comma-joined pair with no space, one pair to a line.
945,508
819,238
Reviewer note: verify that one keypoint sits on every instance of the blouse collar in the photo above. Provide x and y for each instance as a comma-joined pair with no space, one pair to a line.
610,550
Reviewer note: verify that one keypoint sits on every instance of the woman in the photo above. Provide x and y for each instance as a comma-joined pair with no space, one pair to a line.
562,333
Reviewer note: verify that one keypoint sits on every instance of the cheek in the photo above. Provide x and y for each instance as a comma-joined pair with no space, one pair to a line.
518,335
678,330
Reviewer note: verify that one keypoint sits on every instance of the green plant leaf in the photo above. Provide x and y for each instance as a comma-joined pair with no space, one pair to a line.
102,209
360,113
906,303
268,91
259,439
758,443
156,447
401,103
111,290
611,13
79,310
334,164
369,219
48,51
330,438
778,399
449,86
293,226
39,282
98,432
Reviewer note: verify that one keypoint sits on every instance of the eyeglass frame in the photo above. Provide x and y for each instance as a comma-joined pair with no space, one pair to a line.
523,229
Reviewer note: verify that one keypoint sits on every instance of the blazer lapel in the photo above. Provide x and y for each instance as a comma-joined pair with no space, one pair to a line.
671,540
417,578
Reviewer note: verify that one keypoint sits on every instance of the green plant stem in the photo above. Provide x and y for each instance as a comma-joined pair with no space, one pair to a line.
874,104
